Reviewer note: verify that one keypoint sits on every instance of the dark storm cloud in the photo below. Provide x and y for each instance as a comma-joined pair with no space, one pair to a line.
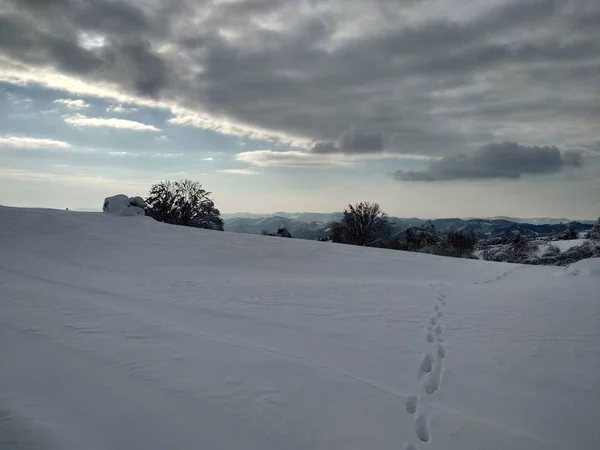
501,160
102,15
126,57
352,141
402,72
28,44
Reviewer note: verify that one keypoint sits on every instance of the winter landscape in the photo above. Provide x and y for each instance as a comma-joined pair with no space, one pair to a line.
122,332
299,225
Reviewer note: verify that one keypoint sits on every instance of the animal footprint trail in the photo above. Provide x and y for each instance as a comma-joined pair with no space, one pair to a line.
434,379
411,404
441,350
426,365
422,428
431,370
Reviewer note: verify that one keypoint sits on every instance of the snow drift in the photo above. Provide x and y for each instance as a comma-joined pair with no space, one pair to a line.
123,205
126,333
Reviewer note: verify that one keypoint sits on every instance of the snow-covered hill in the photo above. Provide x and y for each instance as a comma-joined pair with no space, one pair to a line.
123,333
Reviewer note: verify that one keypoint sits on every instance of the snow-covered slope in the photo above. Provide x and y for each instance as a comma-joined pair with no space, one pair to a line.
123,333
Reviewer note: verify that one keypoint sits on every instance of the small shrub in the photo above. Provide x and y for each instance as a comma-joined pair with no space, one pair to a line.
282,232
594,233
570,234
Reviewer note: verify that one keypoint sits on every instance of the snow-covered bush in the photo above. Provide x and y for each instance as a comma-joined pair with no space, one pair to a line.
594,233
589,249
552,256
519,250
123,205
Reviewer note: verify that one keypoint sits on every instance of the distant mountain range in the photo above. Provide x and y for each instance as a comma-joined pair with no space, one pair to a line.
313,225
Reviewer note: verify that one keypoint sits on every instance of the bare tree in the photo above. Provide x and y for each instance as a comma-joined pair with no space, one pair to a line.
363,224
185,203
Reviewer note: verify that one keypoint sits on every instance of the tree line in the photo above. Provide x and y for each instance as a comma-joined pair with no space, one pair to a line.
187,203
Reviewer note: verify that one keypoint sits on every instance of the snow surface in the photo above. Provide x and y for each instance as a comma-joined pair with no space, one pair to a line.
123,333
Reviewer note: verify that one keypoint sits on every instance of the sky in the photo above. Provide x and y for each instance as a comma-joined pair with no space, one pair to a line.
432,108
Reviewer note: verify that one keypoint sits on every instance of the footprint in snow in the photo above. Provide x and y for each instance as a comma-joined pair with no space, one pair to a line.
430,337
433,320
441,350
437,307
429,327
426,365
434,379
439,329
411,404
422,428
411,447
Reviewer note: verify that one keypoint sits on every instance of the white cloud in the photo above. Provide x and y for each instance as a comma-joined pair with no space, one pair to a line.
238,171
274,158
75,178
79,120
91,41
18,74
72,104
123,154
209,158
31,143
167,155
206,122
120,109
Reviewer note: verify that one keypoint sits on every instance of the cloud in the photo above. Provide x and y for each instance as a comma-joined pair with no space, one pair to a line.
72,104
32,143
352,142
74,178
168,155
500,160
271,158
79,120
123,154
237,171
294,158
425,77
206,122
120,109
